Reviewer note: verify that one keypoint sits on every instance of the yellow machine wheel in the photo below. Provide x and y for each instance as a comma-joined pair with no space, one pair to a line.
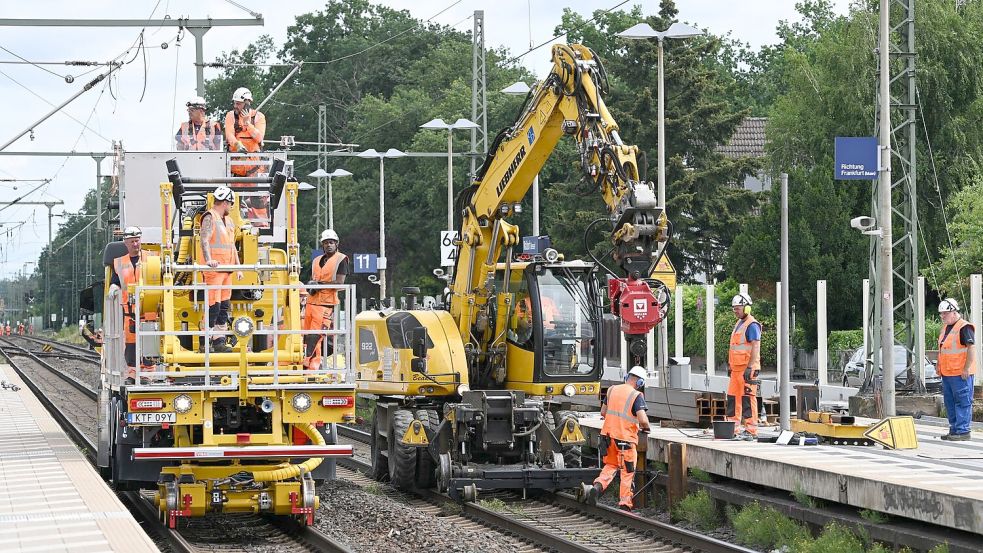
380,464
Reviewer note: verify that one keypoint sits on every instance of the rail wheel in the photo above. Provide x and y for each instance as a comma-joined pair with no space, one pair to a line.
426,469
571,454
380,464
402,458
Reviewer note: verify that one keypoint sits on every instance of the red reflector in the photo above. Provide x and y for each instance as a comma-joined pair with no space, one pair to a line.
337,401
146,404
242,438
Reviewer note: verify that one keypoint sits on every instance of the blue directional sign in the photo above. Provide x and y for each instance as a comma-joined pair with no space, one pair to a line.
365,263
856,158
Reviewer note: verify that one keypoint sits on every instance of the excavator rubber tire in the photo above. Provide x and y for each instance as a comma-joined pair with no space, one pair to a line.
380,464
571,454
402,458
426,467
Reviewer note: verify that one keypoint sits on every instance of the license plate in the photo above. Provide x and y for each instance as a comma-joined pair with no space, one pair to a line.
150,418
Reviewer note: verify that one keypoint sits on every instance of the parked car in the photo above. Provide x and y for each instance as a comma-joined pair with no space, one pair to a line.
854,373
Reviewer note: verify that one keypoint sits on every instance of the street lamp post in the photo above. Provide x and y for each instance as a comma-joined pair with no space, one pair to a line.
391,153
645,31
319,174
436,124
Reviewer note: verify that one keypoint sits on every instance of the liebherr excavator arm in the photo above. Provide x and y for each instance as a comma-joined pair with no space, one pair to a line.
569,101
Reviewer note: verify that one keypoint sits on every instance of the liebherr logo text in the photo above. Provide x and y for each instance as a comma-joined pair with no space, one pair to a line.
508,174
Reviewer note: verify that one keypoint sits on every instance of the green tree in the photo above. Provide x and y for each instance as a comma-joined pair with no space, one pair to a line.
964,254
701,113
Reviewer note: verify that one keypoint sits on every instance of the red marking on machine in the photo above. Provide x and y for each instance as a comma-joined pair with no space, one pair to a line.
146,404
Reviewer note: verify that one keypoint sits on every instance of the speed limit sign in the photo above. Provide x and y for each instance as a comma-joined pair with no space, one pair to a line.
448,250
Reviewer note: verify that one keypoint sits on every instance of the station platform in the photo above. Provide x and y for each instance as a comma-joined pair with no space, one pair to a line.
939,482
51,498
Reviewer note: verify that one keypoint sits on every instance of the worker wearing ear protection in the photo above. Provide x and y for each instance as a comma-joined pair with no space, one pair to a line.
624,414
744,358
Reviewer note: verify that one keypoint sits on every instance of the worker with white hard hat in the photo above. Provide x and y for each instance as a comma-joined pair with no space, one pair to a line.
245,128
217,247
127,272
624,414
199,132
331,267
956,365
744,358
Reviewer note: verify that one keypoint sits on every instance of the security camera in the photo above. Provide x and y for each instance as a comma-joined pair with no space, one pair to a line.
438,273
863,223
373,279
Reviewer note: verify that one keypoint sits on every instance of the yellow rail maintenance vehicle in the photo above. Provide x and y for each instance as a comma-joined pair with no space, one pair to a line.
459,391
246,429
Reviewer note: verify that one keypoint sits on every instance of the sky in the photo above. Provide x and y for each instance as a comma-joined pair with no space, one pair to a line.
142,109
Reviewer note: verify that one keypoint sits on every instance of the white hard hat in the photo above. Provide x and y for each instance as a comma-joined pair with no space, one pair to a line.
330,234
242,94
948,305
740,299
132,232
224,194
196,102
638,371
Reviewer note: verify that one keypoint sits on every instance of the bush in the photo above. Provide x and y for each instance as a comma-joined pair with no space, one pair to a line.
698,509
843,340
834,539
765,528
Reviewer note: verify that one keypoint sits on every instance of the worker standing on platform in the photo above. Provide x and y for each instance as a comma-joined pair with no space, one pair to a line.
198,132
126,272
744,358
218,248
331,267
244,131
957,364
624,414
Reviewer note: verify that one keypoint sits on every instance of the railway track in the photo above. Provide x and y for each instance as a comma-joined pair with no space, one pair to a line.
61,347
557,521
73,405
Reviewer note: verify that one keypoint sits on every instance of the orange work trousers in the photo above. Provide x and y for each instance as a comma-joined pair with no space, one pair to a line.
316,317
742,400
218,294
623,461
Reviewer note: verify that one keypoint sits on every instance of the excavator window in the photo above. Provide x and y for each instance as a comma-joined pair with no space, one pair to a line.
568,335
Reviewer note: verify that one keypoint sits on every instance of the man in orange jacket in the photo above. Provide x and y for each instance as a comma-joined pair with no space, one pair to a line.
331,267
198,132
957,365
218,247
744,358
245,128
624,414
126,272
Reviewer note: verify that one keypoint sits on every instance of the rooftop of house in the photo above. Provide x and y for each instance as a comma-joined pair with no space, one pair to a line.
748,139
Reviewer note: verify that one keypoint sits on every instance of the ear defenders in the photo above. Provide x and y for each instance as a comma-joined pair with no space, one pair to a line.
641,381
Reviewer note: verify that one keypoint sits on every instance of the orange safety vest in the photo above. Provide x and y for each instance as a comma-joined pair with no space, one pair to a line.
327,273
619,422
952,354
251,143
739,355
128,274
549,311
205,138
222,243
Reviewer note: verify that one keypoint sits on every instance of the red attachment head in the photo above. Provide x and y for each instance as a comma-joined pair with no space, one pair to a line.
635,305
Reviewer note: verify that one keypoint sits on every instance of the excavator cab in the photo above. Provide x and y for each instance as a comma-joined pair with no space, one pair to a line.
552,340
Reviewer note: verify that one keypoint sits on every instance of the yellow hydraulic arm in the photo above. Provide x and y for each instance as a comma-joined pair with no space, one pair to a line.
568,102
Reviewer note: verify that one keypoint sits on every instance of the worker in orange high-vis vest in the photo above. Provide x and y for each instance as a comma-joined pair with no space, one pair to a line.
957,366
331,267
244,131
217,247
198,132
744,358
126,272
624,414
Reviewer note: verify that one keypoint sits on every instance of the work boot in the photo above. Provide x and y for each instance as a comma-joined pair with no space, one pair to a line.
625,508
219,346
958,437
593,493
946,437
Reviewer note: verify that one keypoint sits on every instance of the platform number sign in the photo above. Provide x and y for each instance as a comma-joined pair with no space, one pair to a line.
366,263
448,250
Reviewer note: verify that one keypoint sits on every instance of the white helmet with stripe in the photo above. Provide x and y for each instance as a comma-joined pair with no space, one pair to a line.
224,194
740,299
949,305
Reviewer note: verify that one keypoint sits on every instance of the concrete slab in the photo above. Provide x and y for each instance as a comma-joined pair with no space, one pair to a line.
51,498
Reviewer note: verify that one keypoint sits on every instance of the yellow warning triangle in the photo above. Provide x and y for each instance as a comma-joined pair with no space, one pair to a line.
665,272
894,433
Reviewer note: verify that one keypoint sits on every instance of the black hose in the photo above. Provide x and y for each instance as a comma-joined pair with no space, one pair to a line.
590,253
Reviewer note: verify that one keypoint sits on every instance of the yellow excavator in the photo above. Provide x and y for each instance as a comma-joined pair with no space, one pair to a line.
459,391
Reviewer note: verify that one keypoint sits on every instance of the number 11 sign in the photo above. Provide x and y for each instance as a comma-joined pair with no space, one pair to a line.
365,263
